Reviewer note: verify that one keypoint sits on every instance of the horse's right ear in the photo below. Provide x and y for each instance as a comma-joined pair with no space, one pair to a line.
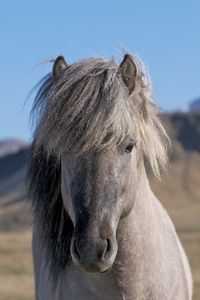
59,66
128,71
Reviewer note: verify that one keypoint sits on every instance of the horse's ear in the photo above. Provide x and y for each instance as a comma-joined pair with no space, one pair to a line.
59,66
128,72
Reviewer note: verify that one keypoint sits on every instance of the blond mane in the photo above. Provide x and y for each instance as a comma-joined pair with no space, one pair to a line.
89,108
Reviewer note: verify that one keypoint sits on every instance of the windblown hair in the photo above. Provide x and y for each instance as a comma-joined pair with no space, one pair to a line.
87,108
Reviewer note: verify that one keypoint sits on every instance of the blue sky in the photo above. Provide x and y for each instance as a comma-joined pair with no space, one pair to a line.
165,34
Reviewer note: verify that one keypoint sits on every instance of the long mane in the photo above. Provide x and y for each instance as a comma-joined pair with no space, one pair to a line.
56,228
87,108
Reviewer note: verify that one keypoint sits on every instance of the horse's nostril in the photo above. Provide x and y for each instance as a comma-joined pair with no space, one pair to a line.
109,247
75,249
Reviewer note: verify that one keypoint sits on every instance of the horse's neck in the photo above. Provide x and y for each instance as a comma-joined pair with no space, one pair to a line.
134,235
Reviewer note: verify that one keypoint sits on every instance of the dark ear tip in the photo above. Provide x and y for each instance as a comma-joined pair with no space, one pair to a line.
59,57
128,56
59,66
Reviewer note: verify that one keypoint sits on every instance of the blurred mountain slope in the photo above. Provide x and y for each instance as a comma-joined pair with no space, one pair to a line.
14,211
179,189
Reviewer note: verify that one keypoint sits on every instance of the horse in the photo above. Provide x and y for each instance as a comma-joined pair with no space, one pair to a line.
99,232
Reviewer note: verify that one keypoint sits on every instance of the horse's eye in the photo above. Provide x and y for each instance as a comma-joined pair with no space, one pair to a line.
130,147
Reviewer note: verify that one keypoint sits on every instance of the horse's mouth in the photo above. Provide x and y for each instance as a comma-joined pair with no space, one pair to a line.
94,269
106,271
98,268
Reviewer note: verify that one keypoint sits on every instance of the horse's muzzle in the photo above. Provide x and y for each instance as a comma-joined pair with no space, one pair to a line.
93,256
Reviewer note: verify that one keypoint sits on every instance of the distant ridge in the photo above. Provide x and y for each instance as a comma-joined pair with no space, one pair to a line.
12,145
192,107
14,211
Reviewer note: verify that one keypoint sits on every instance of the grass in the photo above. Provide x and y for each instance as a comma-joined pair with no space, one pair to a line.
16,271
191,243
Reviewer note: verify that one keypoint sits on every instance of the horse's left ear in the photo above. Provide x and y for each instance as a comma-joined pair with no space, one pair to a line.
59,66
128,72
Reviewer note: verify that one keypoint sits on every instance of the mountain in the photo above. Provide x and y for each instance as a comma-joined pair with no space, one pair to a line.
9,146
178,190
192,107
14,210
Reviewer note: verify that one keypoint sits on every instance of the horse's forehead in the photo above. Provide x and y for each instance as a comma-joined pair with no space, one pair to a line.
92,166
